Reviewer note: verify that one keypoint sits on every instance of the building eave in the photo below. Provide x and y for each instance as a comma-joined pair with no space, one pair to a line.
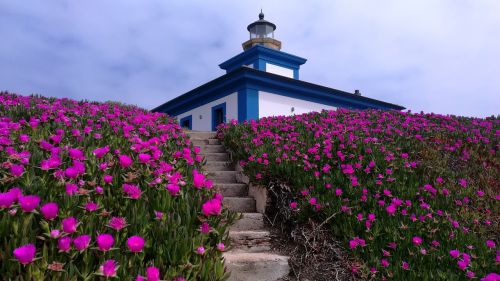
252,78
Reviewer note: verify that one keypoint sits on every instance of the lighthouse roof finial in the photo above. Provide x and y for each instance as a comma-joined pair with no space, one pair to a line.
261,15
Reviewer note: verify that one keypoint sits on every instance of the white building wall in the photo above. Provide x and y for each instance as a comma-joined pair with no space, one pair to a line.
274,105
205,111
283,71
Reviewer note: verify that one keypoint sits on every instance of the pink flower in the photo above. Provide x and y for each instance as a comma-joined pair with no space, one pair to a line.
152,273
69,224
405,266
29,202
384,262
133,191
105,241
125,161
490,244
491,277
55,233
221,247
81,242
75,153
49,210
100,152
91,206
417,240
108,179
135,244
293,205
117,223
108,268
198,179
212,207
173,189
470,274
17,170
144,158
64,244
200,250
25,254
71,189
391,209
6,200
205,227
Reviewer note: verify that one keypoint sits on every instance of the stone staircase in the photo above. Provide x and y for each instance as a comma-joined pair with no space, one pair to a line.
250,256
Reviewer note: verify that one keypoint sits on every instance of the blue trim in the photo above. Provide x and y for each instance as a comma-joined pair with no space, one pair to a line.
248,78
248,104
259,53
296,74
187,118
214,108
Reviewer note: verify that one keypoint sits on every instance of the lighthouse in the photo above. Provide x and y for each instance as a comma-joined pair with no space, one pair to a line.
259,82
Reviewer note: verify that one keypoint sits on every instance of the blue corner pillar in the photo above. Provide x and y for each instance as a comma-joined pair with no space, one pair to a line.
248,104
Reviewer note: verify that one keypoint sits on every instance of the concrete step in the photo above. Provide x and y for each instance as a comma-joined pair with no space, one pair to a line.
212,148
256,266
249,221
218,166
223,176
217,156
250,240
201,135
213,141
232,189
240,204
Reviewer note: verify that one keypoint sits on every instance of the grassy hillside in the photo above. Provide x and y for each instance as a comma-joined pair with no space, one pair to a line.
92,191
411,196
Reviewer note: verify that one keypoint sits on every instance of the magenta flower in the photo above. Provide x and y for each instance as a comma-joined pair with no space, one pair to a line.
29,202
144,158
384,262
211,207
133,191
71,188
417,240
100,152
173,189
293,205
454,253
198,179
125,161
205,227
6,200
490,244
200,250
69,225
491,277
25,254
105,241
55,233
135,244
108,179
49,210
391,209
221,247
152,274
64,244
117,223
108,268
91,206
405,265
17,170
81,242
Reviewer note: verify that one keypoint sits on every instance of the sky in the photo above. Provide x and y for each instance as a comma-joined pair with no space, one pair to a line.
440,56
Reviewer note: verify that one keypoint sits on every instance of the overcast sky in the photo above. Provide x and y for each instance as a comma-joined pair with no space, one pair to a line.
432,56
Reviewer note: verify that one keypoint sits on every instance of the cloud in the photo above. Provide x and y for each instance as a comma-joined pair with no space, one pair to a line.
435,56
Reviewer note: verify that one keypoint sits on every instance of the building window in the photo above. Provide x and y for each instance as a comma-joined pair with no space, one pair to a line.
218,115
187,122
